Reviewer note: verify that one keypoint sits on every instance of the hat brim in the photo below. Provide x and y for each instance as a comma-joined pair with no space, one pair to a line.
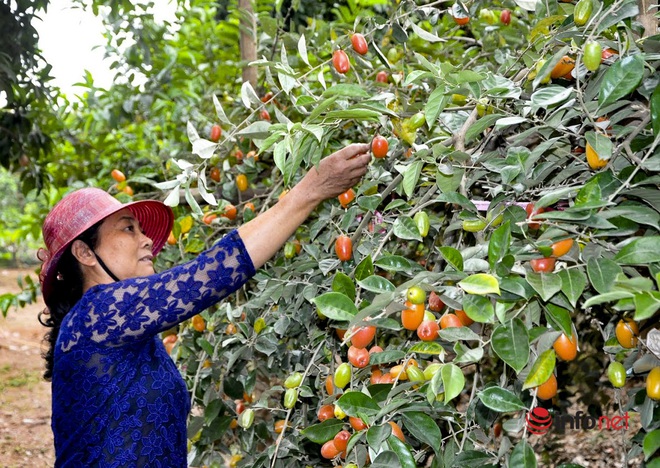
156,220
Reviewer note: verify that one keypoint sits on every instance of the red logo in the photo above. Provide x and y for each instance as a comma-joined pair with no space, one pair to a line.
538,421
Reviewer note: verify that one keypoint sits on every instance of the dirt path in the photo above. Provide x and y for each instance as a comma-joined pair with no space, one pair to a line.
26,439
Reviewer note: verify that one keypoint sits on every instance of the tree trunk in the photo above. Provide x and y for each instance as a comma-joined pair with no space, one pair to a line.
248,40
647,16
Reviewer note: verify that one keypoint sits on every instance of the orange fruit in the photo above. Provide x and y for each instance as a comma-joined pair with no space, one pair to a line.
329,450
341,440
399,372
347,197
562,247
565,347
565,66
198,323
230,212
279,426
118,175
171,240
209,217
547,389
626,333
329,385
450,320
357,423
128,190
462,316
412,317
396,431
375,377
241,182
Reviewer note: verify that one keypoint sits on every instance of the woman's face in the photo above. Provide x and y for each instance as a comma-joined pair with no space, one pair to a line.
123,247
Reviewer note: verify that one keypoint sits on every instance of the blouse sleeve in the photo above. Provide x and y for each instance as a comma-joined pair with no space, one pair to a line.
131,310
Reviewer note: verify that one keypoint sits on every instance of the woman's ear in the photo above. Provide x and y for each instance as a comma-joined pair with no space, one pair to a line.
83,253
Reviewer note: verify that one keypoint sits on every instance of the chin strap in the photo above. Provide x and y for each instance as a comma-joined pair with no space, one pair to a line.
105,268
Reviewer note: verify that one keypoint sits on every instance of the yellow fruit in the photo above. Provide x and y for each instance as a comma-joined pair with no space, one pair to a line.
593,160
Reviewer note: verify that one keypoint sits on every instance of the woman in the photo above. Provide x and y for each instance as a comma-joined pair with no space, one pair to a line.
118,399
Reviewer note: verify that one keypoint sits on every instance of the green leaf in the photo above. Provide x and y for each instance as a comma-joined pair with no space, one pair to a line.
541,369
364,269
435,104
427,347
323,432
386,459
386,356
336,306
353,403
478,308
406,459
621,79
346,90
498,245
377,284
523,456
651,443
397,263
608,297
546,284
405,228
641,251
343,284
358,114
481,284
423,428
453,381
573,282
501,400
646,304
453,334
510,342
472,459
449,183
602,273
559,318
453,257
655,111
480,125
411,176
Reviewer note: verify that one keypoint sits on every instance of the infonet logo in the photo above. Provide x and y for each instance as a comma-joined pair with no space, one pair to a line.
539,421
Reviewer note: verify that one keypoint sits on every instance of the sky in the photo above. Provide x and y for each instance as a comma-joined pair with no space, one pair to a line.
69,39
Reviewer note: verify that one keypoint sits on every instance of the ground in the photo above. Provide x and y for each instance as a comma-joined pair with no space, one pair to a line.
26,439
25,435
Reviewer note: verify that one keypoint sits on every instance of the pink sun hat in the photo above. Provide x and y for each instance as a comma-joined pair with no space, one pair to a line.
82,209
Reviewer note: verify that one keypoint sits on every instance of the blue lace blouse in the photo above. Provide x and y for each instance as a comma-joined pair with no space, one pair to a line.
118,398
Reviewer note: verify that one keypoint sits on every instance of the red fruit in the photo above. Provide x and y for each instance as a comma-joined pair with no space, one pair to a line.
344,248
379,146
264,115
215,174
382,77
543,265
362,336
267,97
463,317
216,132
435,303
347,197
326,412
505,17
340,61
531,212
359,43
359,357
341,440
428,330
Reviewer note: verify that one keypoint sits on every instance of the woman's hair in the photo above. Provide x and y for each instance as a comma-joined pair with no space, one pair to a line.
67,291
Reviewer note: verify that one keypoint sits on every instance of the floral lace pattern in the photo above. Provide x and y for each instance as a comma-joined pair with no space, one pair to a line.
118,398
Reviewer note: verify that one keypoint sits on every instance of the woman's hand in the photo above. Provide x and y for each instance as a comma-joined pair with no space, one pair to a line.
337,173
267,233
